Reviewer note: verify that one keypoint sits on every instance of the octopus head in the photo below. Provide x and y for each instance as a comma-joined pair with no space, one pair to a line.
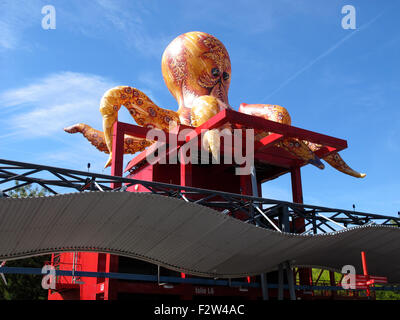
196,64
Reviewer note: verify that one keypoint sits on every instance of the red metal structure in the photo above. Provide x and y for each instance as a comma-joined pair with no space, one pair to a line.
270,162
365,281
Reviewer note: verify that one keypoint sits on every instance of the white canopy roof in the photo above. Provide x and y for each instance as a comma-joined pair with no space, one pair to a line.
182,236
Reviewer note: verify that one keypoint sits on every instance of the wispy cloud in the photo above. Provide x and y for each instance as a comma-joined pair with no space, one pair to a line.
323,55
15,18
46,106
128,17
32,118
253,16
96,19
124,20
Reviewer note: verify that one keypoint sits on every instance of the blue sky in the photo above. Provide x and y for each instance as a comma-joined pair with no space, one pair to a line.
343,83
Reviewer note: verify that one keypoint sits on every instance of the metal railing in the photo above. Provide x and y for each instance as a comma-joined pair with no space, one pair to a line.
282,216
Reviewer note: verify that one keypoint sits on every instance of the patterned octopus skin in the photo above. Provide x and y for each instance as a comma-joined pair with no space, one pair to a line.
196,69
97,139
279,114
144,111
196,64
302,149
335,160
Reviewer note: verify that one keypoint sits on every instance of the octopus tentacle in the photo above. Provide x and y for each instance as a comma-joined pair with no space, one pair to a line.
300,150
279,114
336,161
97,139
145,112
203,109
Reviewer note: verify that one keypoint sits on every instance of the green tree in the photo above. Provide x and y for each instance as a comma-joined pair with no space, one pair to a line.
387,295
20,286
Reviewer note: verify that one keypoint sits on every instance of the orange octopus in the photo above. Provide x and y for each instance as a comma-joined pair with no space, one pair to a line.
197,71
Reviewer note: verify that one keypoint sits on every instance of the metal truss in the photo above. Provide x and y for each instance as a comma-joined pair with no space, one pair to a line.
281,216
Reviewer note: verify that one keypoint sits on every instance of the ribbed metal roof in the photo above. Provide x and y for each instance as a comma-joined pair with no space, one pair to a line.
182,236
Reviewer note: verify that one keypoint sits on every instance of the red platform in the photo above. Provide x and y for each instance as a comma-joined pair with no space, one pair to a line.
270,162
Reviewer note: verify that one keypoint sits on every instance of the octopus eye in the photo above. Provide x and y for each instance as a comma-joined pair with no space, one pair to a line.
225,75
215,72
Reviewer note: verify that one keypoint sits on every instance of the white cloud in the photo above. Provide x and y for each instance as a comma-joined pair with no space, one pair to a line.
37,113
7,38
15,18
46,106
33,117
127,18
95,19
108,20
323,55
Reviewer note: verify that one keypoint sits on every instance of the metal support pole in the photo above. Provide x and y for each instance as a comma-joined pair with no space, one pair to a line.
314,223
264,286
284,219
280,281
254,187
158,276
254,181
289,273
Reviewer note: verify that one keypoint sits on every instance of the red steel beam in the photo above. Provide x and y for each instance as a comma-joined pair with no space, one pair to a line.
272,126
137,131
216,121
275,160
330,144
324,151
267,142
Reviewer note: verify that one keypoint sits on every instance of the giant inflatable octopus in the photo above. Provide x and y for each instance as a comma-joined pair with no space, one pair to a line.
197,71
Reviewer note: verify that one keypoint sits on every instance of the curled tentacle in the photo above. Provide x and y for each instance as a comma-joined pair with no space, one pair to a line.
300,150
145,112
336,161
97,139
203,109
279,114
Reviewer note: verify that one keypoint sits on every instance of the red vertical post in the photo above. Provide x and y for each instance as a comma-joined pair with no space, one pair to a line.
245,185
297,190
186,174
117,153
186,169
365,270
305,274
91,261
186,179
364,263
110,285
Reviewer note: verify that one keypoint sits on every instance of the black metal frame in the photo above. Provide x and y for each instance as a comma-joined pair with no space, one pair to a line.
268,213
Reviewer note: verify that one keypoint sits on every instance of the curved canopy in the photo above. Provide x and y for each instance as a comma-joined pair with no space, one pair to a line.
182,236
